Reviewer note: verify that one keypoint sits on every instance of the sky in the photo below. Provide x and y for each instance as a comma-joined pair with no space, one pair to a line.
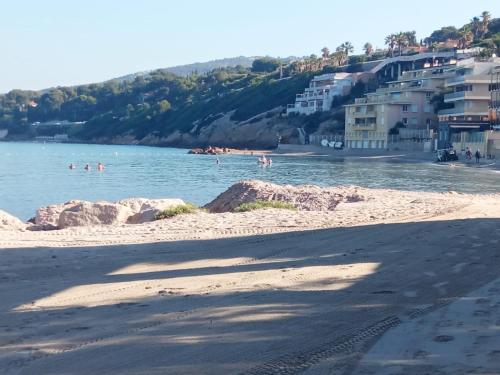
66,42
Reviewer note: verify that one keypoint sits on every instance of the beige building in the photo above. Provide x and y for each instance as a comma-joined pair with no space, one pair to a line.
407,101
473,97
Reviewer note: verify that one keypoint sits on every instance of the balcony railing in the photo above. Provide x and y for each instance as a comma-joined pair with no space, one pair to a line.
479,78
363,127
365,114
462,95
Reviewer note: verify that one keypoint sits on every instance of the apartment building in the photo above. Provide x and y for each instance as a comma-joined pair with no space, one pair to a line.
321,92
473,95
406,101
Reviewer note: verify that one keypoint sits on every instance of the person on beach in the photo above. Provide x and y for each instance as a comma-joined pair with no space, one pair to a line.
87,167
468,154
100,167
478,156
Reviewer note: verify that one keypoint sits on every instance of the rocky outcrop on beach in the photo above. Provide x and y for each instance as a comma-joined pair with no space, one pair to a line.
147,209
47,218
82,213
9,222
99,213
305,197
209,151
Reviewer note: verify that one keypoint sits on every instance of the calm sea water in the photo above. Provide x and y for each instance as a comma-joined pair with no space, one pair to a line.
33,175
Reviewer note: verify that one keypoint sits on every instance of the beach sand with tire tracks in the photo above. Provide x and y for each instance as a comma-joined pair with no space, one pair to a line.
267,291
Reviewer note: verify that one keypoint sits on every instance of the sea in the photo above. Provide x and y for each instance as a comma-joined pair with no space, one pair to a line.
33,175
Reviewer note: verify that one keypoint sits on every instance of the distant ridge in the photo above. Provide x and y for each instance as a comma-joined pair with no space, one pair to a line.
203,67
200,67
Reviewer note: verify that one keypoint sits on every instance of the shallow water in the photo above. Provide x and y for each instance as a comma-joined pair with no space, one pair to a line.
33,174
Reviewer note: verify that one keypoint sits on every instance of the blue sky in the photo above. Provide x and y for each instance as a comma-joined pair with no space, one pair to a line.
62,42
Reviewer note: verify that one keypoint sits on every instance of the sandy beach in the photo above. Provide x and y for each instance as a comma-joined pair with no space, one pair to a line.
381,286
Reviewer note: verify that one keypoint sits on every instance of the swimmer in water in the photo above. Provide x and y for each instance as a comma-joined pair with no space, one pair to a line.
100,167
217,161
72,166
87,167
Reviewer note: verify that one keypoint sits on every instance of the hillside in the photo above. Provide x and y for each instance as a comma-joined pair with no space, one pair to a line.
151,107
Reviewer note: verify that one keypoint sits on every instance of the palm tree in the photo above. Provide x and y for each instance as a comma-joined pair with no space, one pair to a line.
390,41
368,48
325,52
348,48
486,17
466,38
401,41
336,58
343,51
411,37
475,24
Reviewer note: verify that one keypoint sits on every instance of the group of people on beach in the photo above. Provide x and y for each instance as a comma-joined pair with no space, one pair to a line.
468,155
100,167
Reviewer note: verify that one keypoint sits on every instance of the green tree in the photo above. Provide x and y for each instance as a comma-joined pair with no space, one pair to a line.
485,22
391,42
163,106
368,48
325,53
265,65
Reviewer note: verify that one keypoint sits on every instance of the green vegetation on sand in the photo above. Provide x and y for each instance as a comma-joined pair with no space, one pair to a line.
258,205
176,210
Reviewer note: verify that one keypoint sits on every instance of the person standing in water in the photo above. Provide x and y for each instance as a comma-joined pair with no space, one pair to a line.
100,167
217,161
72,166
87,167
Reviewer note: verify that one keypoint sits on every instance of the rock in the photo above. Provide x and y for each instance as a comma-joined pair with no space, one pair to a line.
9,222
135,204
305,197
99,213
152,207
47,218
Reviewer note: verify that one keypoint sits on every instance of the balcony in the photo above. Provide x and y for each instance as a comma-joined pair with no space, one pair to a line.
466,95
365,114
361,127
479,78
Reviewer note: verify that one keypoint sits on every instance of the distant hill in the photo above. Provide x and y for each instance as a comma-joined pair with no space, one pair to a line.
204,67
199,67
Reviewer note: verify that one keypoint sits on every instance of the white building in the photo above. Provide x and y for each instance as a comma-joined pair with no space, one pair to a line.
321,92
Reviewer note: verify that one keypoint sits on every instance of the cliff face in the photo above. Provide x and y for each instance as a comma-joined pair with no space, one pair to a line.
261,131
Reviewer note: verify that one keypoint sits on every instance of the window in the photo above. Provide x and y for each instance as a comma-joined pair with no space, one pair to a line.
405,108
428,95
427,108
405,120
414,121
428,122
414,108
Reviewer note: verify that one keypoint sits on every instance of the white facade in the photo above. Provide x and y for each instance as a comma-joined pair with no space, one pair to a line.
321,92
